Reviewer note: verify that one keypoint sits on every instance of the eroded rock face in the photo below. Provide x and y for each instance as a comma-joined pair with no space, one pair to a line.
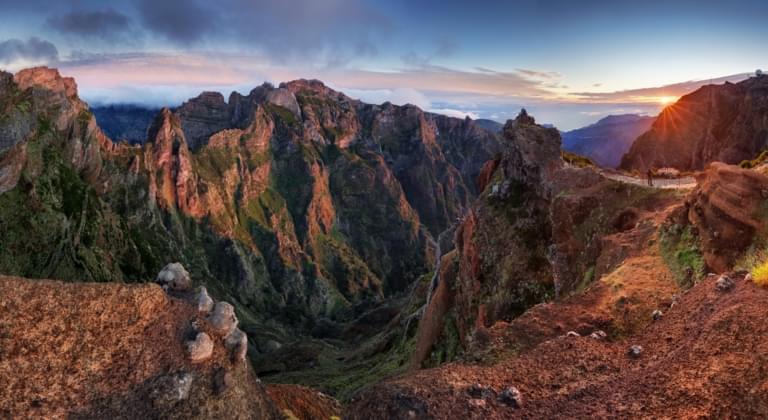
724,123
286,99
726,212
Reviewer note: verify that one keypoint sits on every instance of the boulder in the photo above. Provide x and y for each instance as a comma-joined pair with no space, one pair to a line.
598,335
237,343
511,397
223,319
204,301
174,277
201,348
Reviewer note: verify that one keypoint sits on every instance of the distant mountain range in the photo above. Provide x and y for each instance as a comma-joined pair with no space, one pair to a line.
607,140
125,122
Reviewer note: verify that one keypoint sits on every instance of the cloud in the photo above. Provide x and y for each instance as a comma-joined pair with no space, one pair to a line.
535,74
652,94
455,113
18,53
181,21
104,24
330,32
400,96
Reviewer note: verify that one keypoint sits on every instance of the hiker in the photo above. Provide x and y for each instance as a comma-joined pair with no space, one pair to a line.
650,177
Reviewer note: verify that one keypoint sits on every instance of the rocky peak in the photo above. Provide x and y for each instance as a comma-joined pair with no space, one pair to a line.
204,116
524,118
46,78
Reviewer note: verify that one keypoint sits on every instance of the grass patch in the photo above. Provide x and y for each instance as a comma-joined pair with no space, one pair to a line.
577,160
680,250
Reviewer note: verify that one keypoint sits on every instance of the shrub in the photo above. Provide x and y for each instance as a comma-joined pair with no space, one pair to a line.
760,274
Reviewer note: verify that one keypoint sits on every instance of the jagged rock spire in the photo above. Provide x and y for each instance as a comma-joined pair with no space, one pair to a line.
524,118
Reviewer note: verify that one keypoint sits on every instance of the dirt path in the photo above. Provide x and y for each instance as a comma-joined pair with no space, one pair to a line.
676,183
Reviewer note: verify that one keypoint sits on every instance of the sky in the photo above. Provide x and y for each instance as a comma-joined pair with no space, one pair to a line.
568,62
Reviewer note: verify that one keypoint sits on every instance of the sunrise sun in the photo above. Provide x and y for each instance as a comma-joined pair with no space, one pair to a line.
666,100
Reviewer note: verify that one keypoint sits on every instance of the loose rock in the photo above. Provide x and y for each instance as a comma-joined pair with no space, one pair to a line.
572,334
223,318
635,351
511,397
748,277
204,302
657,314
598,335
174,277
201,348
724,283
480,391
477,403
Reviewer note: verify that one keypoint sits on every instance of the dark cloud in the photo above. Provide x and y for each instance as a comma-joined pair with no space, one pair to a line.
181,21
106,24
32,50
287,28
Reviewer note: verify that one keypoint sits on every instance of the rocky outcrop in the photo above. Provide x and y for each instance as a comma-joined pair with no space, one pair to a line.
726,212
725,123
88,350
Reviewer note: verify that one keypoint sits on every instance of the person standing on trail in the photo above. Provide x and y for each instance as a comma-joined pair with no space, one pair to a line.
650,177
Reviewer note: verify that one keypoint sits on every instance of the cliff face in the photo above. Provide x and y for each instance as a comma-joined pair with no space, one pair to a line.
726,123
534,234
297,203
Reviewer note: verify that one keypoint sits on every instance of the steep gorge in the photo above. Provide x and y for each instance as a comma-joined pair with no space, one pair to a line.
298,204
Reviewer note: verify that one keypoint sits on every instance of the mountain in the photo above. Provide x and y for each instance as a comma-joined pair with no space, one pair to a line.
726,123
410,265
570,295
124,121
490,125
607,140
304,208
